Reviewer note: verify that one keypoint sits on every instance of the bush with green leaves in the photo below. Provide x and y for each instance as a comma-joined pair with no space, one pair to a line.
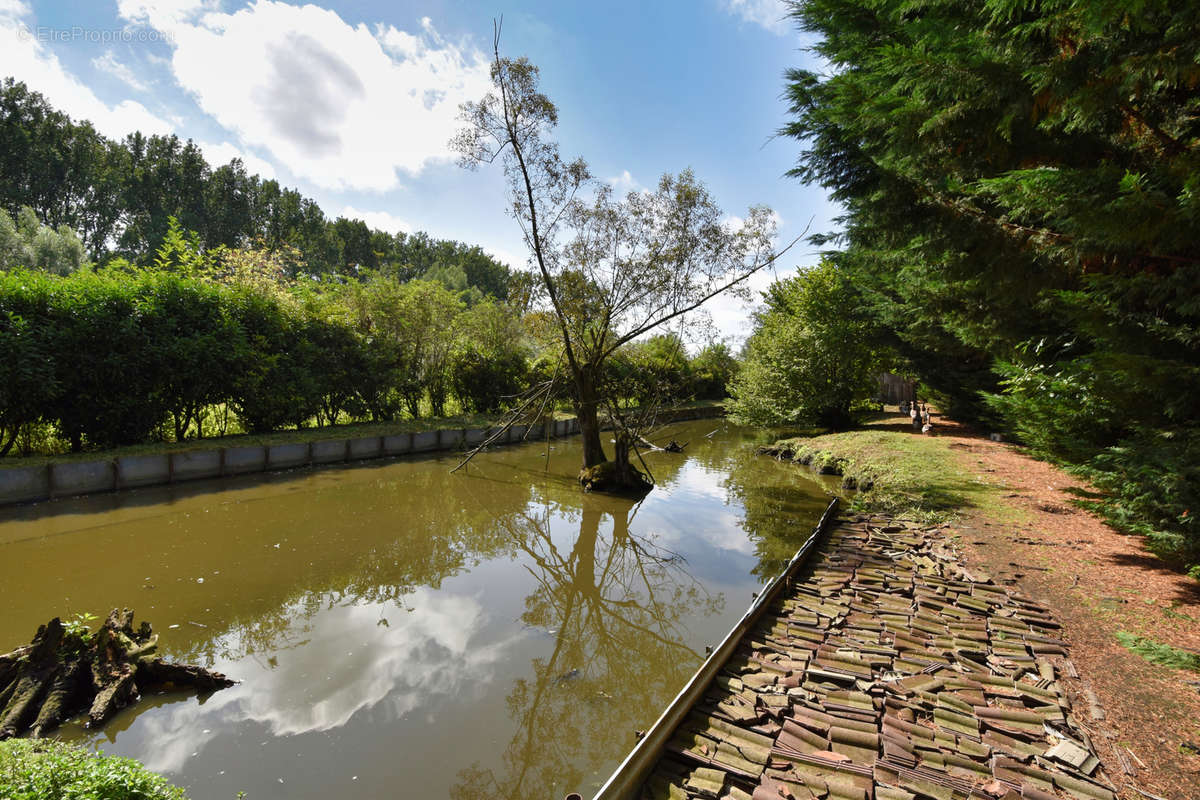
810,358
488,365
276,385
26,242
713,370
44,769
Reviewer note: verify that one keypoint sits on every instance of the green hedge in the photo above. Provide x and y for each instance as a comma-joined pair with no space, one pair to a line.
122,356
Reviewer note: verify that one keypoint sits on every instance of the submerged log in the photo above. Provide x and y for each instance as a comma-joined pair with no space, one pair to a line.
65,672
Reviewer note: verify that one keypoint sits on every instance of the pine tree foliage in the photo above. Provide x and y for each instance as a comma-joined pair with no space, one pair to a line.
1022,185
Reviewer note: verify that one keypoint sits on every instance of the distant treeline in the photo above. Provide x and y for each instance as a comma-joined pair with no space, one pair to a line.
118,197
146,296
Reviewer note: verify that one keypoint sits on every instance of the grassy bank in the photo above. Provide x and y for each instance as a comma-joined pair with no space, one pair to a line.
895,473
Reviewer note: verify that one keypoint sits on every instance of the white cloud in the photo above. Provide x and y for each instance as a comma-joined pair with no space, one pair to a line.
377,219
27,59
218,155
625,182
109,63
14,9
344,106
771,14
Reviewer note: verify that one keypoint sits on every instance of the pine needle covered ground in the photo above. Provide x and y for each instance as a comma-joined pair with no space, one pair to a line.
1131,619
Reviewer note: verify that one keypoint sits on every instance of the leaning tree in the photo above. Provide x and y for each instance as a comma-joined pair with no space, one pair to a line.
611,268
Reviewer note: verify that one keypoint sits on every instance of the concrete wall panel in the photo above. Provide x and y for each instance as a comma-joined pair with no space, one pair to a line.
82,477
195,465
240,460
397,444
286,456
368,447
329,451
24,484
153,470
422,442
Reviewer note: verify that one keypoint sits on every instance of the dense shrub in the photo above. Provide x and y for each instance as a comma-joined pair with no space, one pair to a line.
713,370
42,769
486,382
810,357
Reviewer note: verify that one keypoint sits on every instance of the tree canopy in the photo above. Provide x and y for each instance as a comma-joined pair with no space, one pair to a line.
1020,180
612,268
120,197
811,356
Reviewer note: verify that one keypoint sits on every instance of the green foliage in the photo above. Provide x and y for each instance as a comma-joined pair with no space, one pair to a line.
1158,653
277,384
654,370
26,242
79,626
28,379
713,370
810,358
125,198
488,365
1021,195
180,251
42,769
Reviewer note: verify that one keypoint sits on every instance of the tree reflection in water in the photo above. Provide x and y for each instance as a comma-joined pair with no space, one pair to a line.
615,602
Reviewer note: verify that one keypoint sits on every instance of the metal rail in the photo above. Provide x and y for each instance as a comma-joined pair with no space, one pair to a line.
628,778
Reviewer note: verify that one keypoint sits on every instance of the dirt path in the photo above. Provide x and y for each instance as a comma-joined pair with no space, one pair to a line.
1096,582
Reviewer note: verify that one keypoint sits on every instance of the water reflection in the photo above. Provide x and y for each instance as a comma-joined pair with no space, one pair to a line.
615,601
426,650
402,631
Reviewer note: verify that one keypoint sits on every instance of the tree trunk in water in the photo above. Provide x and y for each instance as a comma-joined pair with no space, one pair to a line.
598,473
587,405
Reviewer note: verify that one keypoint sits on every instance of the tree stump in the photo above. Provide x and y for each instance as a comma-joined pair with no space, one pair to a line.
64,672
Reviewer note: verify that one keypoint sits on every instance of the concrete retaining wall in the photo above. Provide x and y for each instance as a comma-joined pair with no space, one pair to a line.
240,460
133,471
196,464
423,442
24,485
370,447
33,484
398,444
286,456
82,477
329,451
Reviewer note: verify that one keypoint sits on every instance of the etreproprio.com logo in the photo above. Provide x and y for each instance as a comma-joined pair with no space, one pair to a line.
79,33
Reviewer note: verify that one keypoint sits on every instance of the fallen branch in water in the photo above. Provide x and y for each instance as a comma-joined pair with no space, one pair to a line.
64,672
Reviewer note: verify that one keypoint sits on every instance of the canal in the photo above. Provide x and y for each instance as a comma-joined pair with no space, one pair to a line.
399,631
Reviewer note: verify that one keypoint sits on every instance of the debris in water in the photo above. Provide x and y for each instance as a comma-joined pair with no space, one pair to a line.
65,671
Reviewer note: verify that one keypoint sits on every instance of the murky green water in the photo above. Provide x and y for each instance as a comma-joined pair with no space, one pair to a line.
402,632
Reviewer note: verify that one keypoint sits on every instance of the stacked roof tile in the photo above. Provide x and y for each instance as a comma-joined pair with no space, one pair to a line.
887,671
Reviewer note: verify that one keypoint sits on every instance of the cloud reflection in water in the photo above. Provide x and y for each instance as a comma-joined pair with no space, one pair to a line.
349,663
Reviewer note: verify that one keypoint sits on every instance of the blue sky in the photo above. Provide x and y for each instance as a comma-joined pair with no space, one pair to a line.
353,102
